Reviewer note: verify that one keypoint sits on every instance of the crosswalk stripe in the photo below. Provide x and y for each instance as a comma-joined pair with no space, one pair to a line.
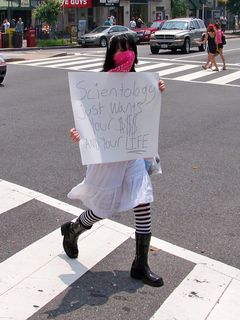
194,75
11,198
99,69
176,70
199,291
43,59
89,65
40,277
77,61
62,61
226,79
153,66
228,307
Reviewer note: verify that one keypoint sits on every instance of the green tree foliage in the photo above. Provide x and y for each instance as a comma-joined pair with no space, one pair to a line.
233,6
48,11
222,2
179,8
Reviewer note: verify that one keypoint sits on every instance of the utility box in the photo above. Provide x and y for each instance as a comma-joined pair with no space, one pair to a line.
31,38
5,40
17,39
10,31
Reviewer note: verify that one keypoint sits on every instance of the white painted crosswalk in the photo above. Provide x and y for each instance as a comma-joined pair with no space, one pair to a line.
37,274
172,69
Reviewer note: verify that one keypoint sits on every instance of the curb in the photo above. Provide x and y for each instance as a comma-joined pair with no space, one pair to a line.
37,48
13,59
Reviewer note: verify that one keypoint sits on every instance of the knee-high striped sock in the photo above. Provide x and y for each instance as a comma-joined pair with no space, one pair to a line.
88,218
143,218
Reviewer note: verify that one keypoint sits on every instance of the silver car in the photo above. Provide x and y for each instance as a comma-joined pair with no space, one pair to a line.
101,35
3,69
179,33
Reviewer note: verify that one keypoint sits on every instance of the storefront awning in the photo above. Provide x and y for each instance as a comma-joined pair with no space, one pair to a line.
77,3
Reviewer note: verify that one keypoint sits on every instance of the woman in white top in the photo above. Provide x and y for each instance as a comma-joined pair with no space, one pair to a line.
132,23
118,186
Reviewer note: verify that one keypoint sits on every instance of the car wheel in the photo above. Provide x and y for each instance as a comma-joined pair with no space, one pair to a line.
154,50
103,42
1,79
174,50
186,46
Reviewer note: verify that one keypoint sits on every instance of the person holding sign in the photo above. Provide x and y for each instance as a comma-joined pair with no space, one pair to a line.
116,186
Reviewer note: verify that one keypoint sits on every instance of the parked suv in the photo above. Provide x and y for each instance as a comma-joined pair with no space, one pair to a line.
179,33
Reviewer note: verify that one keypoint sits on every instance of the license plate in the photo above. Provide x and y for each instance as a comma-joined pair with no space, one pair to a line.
164,46
83,40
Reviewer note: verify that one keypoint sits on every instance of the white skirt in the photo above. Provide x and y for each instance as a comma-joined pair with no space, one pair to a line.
114,187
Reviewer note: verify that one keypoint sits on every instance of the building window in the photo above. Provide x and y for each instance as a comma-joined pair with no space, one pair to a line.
71,16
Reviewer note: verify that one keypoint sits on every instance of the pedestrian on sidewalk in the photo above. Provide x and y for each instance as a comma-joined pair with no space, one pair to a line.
6,25
12,23
132,23
139,22
118,186
108,21
19,25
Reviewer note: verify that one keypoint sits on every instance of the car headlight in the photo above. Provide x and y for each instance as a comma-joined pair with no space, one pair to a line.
147,32
2,62
179,36
152,35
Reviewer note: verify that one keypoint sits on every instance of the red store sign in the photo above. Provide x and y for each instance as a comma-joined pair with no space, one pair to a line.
77,3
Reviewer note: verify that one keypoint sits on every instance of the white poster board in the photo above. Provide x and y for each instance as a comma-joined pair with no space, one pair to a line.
116,114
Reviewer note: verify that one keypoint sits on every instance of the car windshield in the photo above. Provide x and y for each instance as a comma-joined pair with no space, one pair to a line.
99,29
175,25
156,24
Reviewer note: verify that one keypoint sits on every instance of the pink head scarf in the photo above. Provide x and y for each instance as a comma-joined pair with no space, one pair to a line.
123,61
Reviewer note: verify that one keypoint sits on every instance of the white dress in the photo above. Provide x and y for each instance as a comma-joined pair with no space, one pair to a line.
114,187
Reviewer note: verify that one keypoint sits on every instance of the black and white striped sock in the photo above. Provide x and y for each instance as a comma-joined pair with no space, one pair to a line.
88,218
143,218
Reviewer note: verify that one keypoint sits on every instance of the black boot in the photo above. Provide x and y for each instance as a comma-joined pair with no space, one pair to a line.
140,269
71,231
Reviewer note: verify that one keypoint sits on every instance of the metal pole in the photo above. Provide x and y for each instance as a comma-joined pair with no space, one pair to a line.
203,12
8,11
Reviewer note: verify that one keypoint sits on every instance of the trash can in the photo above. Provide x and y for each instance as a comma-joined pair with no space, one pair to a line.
10,32
5,40
17,39
31,38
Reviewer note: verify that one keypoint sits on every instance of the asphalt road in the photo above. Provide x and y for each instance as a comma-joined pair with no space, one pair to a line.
196,206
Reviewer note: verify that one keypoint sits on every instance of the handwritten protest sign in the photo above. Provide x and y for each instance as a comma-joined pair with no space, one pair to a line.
116,114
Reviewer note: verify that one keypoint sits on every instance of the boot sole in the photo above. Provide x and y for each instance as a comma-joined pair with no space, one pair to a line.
158,283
